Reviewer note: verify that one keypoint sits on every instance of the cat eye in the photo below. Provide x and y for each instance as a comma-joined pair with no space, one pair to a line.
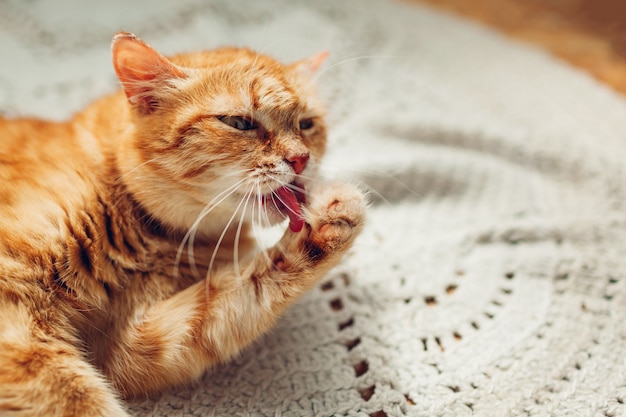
306,124
238,122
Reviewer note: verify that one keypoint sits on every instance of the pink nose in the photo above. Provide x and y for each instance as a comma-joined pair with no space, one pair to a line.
298,162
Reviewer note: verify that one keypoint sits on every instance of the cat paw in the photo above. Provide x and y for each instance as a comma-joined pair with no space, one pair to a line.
335,216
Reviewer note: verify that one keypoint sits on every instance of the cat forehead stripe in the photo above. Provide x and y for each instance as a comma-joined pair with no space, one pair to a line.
269,92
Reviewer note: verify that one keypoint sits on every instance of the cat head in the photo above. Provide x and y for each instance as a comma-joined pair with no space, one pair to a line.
226,123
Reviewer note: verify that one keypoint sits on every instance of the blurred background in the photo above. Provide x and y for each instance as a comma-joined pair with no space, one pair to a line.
589,34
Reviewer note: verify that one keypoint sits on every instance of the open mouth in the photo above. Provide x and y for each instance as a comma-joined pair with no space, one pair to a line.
287,200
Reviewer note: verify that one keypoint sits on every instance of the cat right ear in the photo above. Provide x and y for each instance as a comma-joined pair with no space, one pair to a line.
309,66
142,71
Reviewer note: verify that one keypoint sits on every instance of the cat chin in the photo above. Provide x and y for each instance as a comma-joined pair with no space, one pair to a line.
270,215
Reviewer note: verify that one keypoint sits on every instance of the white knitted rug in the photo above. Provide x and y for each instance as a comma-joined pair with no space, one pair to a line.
491,279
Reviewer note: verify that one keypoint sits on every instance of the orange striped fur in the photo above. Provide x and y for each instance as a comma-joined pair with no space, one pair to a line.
111,283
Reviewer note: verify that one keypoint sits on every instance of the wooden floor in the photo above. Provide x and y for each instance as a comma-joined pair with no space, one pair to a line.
589,34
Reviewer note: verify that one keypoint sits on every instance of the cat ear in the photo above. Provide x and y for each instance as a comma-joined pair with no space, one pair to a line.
309,66
141,70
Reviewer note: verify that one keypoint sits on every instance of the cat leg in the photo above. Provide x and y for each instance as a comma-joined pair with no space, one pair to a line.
44,376
213,320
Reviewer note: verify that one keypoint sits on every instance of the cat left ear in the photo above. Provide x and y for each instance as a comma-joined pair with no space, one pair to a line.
309,66
141,70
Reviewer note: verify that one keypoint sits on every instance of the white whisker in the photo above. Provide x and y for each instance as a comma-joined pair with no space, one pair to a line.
238,235
136,168
388,175
190,235
219,242
258,202
355,58
284,184
284,204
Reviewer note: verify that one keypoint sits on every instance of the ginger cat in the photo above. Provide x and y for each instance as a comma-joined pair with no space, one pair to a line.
126,262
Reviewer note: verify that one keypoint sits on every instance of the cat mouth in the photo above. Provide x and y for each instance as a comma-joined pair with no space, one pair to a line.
287,200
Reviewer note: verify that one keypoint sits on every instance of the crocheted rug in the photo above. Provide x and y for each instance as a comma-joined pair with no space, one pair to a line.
491,278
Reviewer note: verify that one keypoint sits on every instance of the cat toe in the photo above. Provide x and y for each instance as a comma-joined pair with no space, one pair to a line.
336,213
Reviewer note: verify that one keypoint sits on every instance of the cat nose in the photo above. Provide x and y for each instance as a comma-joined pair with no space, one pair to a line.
298,162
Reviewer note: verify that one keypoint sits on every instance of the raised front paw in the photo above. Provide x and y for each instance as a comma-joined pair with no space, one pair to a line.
335,216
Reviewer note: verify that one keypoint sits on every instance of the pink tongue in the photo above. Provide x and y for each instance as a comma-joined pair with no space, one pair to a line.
292,208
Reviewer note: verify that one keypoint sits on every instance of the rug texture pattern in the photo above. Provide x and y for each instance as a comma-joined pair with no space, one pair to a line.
491,278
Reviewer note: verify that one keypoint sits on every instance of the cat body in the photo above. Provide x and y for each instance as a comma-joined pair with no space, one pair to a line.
126,262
